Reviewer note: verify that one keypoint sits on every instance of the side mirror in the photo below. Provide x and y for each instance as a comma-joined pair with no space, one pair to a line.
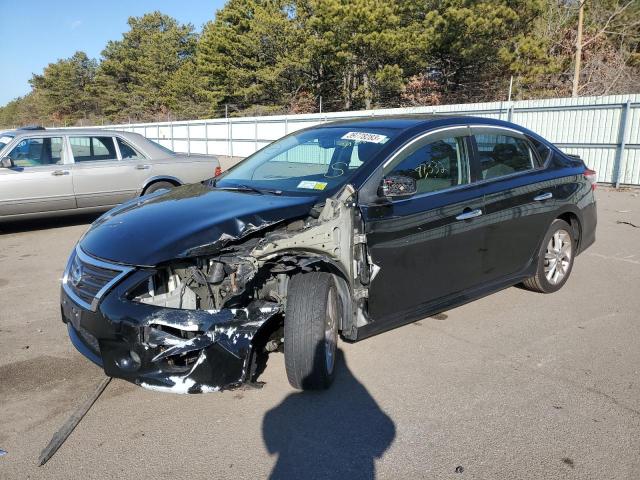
7,162
398,186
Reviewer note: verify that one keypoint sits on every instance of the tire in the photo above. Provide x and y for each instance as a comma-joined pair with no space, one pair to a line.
550,278
312,316
154,187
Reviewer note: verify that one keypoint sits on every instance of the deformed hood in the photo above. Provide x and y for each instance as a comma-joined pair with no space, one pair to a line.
185,221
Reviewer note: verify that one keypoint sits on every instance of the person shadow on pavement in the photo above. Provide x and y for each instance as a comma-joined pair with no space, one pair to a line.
333,434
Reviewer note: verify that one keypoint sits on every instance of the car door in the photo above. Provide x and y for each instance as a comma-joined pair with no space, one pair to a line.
100,178
518,201
40,181
427,247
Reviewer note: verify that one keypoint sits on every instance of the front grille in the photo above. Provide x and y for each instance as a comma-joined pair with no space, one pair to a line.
87,279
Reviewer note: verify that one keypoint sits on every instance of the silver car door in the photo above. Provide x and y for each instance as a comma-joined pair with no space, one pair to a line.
100,178
40,181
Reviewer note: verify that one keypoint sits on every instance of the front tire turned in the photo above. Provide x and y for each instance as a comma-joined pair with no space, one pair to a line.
312,318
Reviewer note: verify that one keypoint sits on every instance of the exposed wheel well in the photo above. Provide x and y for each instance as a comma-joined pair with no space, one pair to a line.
158,180
320,264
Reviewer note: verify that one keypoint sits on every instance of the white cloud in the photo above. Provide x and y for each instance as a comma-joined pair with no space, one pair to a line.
75,24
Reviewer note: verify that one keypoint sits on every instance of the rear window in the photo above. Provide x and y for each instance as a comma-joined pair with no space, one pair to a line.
127,151
86,149
502,155
163,148
541,149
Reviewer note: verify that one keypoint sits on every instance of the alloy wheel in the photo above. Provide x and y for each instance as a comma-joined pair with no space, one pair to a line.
557,258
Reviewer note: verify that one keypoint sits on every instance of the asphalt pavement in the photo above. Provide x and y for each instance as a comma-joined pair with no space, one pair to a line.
515,385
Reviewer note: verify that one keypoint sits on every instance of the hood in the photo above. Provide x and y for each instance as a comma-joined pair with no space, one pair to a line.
186,221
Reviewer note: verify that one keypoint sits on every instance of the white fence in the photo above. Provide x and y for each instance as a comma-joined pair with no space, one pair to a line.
604,131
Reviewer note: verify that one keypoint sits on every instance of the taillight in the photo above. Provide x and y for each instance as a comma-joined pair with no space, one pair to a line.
591,176
218,171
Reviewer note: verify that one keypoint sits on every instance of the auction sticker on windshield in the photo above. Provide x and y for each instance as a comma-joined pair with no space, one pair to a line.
312,185
365,137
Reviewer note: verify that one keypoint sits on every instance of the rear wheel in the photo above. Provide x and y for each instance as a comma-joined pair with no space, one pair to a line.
154,187
311,323
555,259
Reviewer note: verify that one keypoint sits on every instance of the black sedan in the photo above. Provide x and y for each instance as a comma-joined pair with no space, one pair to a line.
345,229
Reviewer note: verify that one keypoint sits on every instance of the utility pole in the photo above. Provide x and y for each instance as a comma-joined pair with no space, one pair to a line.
320,103
576,71
510,89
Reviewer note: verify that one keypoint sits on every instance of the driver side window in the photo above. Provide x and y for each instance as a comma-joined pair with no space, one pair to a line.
35,152
435,165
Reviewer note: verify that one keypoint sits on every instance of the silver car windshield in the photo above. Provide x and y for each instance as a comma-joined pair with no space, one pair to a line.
5,138
308,162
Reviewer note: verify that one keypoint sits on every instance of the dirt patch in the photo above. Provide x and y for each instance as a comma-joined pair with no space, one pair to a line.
39,373
3,282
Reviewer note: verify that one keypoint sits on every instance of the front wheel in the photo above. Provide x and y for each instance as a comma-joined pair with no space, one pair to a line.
311,323
555,259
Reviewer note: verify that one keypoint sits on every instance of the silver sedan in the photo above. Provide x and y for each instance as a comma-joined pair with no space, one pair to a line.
52,172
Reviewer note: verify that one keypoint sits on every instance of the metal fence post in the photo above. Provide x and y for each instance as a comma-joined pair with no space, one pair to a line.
171,133
255,135
510,112
230,137
188,140
622,143
206,138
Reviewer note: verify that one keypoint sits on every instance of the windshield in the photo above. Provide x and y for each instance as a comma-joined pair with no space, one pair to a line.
311,161
4,139
163,148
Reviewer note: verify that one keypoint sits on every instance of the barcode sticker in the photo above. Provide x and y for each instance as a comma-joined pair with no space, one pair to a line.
365,137
312,185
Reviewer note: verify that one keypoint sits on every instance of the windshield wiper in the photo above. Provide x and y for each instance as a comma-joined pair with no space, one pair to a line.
248,188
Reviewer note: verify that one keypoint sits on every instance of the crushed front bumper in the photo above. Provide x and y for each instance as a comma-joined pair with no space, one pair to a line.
181,351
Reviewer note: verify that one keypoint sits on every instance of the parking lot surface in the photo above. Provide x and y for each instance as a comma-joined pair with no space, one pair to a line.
516,385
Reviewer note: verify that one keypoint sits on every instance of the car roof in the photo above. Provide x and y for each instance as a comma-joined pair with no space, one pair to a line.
407,121
68,131
139,141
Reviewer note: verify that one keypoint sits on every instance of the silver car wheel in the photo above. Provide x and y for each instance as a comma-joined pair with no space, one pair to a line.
557,258
331,331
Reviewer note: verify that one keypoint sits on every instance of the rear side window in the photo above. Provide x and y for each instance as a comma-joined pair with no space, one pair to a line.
541,149
127,151
502,155
86,149
435,165
33,152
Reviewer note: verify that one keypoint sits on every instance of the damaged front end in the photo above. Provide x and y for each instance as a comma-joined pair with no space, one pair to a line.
157,329
206,321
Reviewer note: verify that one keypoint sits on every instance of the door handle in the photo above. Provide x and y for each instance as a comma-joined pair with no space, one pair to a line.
143,167
543,196
469,214
58,173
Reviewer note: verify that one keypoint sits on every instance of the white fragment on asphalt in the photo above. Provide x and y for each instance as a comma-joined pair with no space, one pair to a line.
2,452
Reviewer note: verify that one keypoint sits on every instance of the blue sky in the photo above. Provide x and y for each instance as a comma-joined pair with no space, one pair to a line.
34,33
